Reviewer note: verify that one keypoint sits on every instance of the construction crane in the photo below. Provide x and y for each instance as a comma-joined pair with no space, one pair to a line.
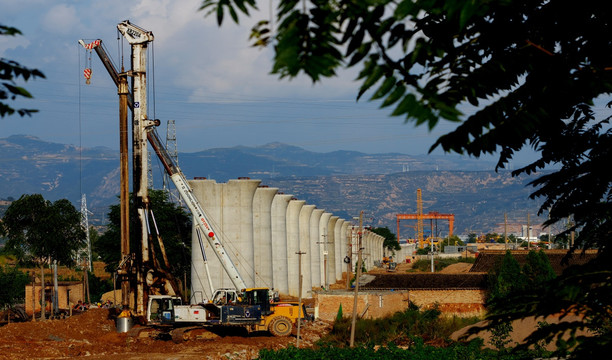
419,217
253,308
133,97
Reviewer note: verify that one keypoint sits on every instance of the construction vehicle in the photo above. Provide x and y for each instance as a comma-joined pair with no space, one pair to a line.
255,309
250,309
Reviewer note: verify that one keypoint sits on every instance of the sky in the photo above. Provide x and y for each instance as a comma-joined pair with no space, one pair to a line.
207,78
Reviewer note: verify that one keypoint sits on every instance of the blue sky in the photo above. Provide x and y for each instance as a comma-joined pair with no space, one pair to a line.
208,79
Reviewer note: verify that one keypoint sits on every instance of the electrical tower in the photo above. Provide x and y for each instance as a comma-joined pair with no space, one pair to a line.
173,153
85,225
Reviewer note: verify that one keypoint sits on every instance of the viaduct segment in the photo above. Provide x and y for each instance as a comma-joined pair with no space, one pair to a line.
265,232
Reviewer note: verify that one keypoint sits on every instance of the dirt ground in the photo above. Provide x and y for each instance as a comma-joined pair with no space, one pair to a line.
521,329
458,268
93,334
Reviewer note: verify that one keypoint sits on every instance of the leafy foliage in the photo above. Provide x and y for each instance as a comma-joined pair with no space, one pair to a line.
42,231
528,71
450,240
400,328
582,291
511,74
412,329
506,279
9,71
12,286
390,241
98,286
538,269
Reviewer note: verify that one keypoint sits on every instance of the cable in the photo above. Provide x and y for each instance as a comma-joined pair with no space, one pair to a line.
80,121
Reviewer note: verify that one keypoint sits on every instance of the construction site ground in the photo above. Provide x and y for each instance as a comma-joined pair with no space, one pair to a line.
93,334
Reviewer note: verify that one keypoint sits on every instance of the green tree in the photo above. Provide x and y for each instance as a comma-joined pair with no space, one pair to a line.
492,237
537,269
174,226
9,71
41,231
507,278
12,286
451,240
390,241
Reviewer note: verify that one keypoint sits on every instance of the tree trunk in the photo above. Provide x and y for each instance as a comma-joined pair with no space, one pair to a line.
33,296
86,281
43,301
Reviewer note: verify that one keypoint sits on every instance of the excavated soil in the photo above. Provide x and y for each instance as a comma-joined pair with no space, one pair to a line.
93,334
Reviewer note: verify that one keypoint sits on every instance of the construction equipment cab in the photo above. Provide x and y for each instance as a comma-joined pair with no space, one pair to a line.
255,310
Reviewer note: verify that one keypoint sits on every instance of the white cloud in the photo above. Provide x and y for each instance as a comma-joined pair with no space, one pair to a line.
60,19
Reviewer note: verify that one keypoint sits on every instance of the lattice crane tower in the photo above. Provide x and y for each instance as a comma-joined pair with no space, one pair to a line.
420,218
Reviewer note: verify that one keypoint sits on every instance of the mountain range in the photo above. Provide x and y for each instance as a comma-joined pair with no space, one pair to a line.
342,182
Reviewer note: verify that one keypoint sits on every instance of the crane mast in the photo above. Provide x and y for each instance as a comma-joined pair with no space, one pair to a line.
139,40
143,132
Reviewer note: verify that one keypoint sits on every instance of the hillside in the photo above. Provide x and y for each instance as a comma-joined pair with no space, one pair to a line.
477,198
342,182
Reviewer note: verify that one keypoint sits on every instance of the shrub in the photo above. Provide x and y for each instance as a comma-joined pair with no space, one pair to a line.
398,328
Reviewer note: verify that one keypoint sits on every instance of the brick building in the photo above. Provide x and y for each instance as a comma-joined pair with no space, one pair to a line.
69,293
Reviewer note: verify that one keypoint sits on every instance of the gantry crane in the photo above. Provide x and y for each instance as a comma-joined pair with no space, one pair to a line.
419,216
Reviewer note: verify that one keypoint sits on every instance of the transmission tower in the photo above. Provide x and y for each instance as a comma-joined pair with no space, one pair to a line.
85,225
173,153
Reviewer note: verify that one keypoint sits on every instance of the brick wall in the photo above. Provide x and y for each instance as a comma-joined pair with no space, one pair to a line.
378,304
457,302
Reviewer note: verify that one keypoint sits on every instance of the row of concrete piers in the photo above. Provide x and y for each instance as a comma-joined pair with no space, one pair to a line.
265,232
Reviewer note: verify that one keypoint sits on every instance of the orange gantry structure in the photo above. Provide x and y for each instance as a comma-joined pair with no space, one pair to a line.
432,215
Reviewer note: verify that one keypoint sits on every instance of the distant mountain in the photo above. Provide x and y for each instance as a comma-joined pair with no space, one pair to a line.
343,182
276,159
478,199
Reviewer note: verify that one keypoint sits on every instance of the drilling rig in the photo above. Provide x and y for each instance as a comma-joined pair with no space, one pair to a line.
149,293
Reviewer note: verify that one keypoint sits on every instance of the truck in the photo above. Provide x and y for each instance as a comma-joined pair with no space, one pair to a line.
254,309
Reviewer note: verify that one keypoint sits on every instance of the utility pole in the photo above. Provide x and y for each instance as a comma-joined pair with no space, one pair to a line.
324,242
348,258
528,233
431,252
506,230
299,253
357,275
570,223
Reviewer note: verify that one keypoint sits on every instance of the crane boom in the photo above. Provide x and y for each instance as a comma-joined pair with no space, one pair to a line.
107,62
179,180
